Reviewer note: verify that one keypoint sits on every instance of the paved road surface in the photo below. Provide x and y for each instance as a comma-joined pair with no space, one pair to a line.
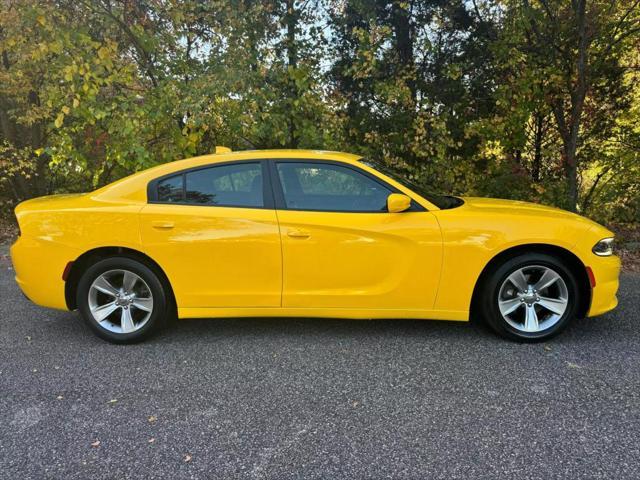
326,399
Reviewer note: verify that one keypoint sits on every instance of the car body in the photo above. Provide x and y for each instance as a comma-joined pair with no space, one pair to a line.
261,254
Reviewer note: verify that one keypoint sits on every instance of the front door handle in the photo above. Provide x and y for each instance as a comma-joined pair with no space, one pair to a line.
162,225
297,233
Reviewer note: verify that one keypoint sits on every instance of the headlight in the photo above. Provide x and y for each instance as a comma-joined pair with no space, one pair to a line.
604,247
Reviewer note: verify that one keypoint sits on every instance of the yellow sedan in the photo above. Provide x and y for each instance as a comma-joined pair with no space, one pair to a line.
301,233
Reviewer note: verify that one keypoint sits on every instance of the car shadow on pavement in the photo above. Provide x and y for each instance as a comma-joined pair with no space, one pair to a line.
69,326
211,329
314,326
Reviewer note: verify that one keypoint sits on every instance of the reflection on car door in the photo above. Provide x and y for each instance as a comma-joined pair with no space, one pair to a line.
341,249
215,233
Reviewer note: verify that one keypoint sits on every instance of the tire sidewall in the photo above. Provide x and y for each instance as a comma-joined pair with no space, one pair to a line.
491,311
149,276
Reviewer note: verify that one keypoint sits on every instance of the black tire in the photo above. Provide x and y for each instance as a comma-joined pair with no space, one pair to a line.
160,311
489,292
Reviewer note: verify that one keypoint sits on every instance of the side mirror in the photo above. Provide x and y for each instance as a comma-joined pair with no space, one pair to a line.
397,202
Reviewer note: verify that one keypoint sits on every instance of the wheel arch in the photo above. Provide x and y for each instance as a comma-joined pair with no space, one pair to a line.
576,266
94,255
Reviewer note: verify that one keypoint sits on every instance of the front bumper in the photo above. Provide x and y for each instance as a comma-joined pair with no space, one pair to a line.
606,271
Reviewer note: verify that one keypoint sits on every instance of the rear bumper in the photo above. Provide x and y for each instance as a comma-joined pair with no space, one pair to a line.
39,264
606,271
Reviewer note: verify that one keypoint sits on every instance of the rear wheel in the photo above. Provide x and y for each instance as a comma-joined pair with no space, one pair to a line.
122,300
531,297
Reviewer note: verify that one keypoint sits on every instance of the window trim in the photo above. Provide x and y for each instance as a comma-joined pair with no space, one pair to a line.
267,189
278,191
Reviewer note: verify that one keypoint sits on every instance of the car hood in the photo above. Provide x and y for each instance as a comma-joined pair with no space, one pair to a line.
516,207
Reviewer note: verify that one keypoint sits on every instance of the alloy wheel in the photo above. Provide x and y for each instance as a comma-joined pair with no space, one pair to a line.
533,298
120,301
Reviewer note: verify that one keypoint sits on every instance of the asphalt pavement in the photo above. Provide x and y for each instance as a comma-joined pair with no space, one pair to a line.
317,399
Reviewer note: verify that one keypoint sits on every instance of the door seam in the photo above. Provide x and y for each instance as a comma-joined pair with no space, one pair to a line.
281,259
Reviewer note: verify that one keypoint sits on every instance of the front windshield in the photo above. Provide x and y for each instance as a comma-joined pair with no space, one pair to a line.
441,201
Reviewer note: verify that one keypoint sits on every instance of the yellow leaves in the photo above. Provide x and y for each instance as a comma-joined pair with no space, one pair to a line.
41,20
540,189
76,103
69,71
103,53
59,120
56,47
66,110
493,148
455,72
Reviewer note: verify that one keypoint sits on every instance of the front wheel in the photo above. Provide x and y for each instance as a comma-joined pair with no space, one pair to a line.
122,300
532,297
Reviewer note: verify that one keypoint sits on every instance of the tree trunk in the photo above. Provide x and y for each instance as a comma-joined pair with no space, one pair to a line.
403,32
538,135
572,183
577,104
292,63
569,135
569,126
36,140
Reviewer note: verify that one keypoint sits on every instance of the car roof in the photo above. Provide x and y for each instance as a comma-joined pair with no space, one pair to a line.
275,154
132,188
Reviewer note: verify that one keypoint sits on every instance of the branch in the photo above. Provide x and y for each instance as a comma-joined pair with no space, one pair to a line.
589,196
541,38
477,10
624,17
148,62
631,31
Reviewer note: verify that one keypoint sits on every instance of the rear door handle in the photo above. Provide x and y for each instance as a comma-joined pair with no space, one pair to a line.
297,233
162,225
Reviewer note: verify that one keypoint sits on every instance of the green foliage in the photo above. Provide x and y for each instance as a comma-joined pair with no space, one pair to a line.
475,98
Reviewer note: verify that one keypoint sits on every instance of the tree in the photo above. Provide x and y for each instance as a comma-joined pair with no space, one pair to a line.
405,97
575,47
527,99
